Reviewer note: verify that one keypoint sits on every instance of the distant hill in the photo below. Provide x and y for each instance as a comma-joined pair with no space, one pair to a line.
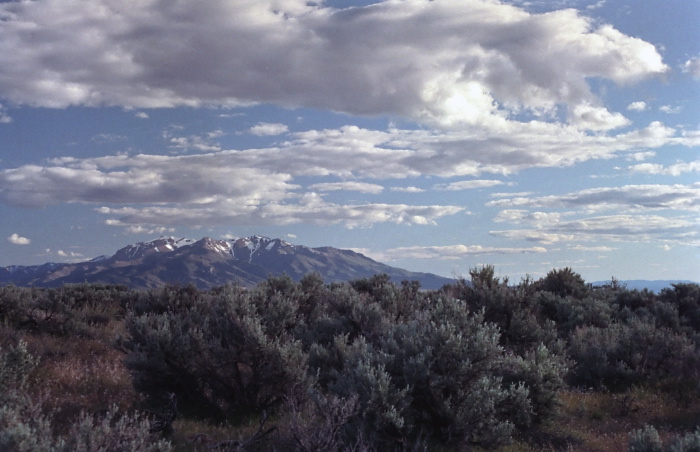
641,284
209,263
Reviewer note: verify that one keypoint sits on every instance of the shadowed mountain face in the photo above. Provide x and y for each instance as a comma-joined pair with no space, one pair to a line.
209,263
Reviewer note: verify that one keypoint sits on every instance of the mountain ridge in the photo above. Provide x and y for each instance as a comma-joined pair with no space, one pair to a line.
209,262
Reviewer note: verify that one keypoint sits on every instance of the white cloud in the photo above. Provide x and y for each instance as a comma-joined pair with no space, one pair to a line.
629,197
637,106
518,216
250,180
138,229
69,254
141,179
353,152
468,185
587,116
453,251
623,228
692,67
407,189
596,5
570,220
669,110
641,156
201,143
4,117
596,249
446,63
510,195
671,170
267,129
141,115
310,209
108,138
16,239
362,187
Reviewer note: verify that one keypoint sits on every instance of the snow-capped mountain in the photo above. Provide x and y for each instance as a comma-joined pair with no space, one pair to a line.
209,263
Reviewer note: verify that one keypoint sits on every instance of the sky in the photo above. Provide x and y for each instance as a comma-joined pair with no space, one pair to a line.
435,136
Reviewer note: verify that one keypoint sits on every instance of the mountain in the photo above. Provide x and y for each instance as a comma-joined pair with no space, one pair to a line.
209,263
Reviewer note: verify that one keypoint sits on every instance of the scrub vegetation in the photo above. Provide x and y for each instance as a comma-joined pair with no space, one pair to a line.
368,365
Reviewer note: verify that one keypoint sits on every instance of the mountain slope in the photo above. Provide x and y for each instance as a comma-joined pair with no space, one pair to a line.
208,263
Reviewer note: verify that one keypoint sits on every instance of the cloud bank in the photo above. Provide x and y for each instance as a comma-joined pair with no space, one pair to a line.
263,186
445,63
622,214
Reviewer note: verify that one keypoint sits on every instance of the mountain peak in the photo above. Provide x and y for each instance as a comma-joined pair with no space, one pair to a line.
162,244
210,262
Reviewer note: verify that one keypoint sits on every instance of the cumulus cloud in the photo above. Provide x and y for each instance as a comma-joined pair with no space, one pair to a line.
200,143
447,63
145,179
407,189
16,239
589,117
692,67
669,110
267,129
641,156
141,115
637,106
596,5
671,170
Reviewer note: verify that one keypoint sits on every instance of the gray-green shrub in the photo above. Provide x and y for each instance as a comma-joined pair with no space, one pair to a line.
223,354
647,439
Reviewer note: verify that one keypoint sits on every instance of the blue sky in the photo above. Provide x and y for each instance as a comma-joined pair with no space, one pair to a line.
431,135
